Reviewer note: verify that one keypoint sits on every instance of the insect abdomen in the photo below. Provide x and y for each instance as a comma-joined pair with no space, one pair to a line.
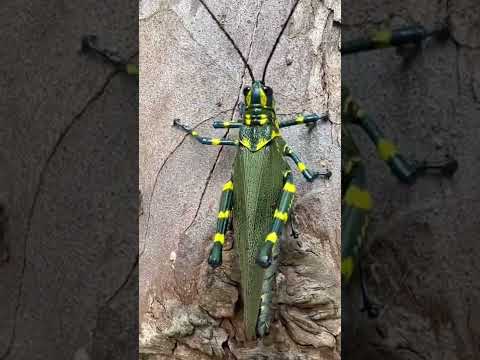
258,178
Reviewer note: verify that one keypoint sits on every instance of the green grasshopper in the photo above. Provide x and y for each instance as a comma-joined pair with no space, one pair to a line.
261,181
356,200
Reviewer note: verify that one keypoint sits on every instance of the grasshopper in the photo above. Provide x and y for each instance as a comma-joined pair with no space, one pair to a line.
261,181
356,200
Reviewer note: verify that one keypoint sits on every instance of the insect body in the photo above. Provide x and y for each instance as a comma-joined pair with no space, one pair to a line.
259,194
356,200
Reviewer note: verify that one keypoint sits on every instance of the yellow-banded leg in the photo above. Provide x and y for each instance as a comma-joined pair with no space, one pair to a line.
204,140
265,314
226,124
280,217
307,174
224,214
89,44
407,172
303,119
356,206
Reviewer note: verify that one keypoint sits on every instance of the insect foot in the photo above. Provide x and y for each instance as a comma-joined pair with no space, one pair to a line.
215,258
372,310
88,42
327,174
264,257
177,123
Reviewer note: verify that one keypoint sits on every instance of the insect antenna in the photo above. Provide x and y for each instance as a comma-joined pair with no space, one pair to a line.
229,38
278,40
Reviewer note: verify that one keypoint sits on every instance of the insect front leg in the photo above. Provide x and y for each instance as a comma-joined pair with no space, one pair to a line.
410,35
226,124
224,214
303,119
280,217
89,44
406,171
204,140
307,174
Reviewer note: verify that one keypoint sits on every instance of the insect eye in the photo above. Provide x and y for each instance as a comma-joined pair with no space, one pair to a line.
246,89
268,90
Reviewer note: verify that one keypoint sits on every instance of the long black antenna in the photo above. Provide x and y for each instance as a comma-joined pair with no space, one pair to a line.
278,40
229,38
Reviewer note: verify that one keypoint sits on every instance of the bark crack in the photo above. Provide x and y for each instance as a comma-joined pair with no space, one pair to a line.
157,177
209,177
97,95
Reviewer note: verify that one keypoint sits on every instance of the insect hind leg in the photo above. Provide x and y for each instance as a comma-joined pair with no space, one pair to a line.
224,214
265,313
280,217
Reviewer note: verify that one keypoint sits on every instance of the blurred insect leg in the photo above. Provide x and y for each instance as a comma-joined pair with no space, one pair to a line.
224,214
387,151
89,43
356,206
303,119
370,307
406,171
226,124
204,140
280,217
386,38
307,174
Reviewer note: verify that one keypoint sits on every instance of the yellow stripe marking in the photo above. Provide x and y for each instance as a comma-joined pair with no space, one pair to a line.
261,143
347,267
358,198
216,141
382,38
194,133
299,119
245,142
263,119
263,98
132,69
283,216
226,123
301,166
289,187
273,237
228,186
220,238
248,98
386,149
224,214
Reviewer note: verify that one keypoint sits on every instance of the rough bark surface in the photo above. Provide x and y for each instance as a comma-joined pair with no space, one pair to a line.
420,269
66,124
190,71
